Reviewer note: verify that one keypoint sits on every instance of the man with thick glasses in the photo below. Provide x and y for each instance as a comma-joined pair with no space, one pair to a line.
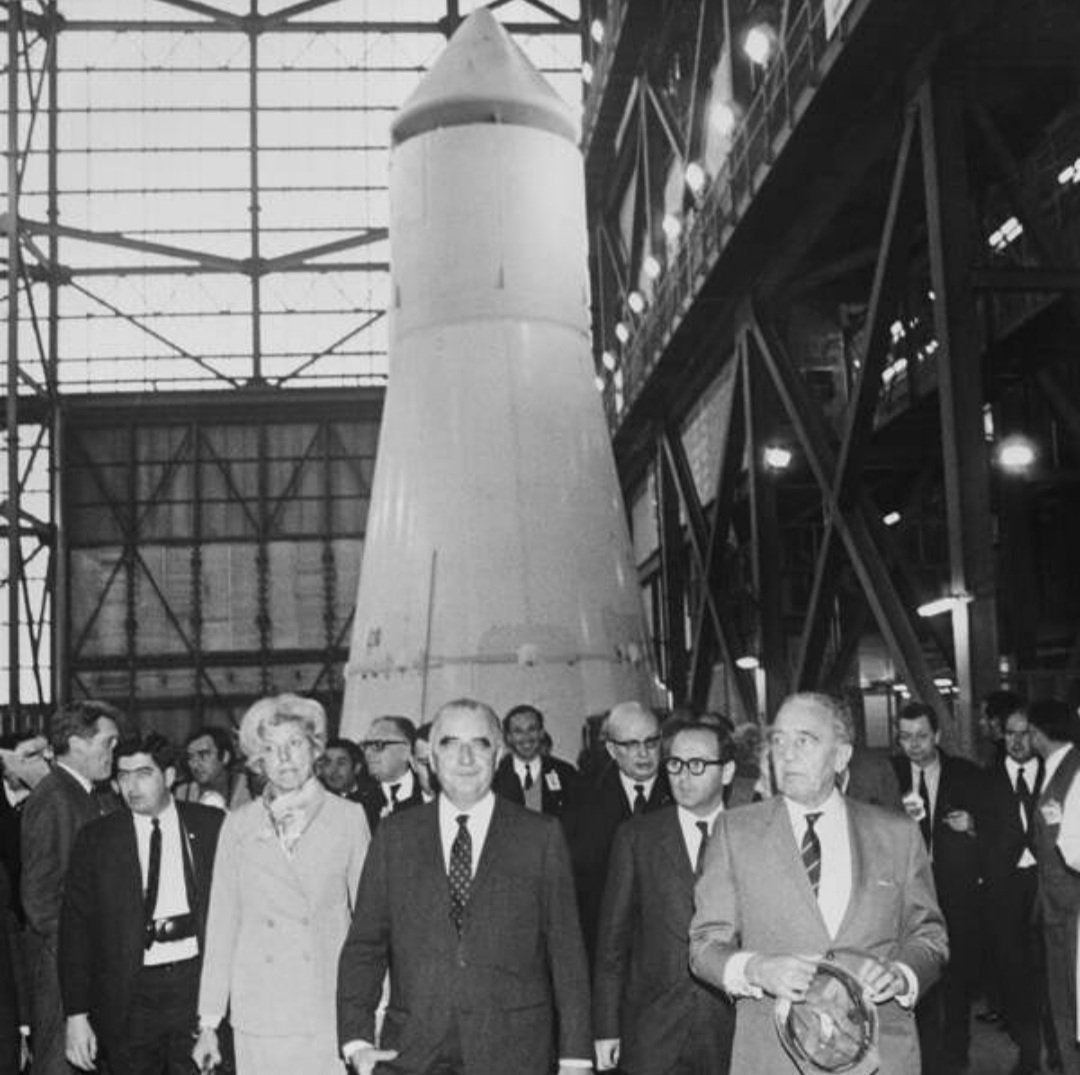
649,1013
388,751
632,785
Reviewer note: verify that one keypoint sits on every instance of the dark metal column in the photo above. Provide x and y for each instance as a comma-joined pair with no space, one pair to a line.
950,229
12,410
673,578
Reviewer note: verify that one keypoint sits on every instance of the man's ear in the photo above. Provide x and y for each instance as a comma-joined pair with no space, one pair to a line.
843,756
170,776
610,749
727,772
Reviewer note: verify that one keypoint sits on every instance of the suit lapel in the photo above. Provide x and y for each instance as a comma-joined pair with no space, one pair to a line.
129,869
497,833
674,849
859,859
780,839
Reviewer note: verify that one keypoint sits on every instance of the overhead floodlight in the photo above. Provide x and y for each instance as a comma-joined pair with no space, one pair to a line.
596,31
723,118
759,43
671,226
695,177
1016,455
636,301
777,457
608,360
747,663
943,604
651,267
622,333
599,382
587,73
891,519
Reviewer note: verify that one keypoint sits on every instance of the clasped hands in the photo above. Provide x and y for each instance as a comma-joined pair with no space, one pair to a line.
789,977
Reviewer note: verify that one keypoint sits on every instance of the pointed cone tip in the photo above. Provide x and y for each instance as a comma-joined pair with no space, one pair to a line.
482,76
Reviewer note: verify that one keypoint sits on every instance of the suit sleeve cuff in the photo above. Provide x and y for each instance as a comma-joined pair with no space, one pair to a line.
734,982
911,994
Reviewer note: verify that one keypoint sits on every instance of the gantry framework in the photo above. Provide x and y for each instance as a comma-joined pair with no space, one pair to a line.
828,281
196,201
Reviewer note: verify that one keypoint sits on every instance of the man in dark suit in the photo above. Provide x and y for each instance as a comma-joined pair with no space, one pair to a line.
342,769
388,752
810,871
946,797
1054,734
1011,874
83,737
470,901
133,920
12,987
650,1015
526,776
23,765
632,785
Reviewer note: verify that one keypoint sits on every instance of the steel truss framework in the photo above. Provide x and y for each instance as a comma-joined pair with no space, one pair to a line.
885,260
134,265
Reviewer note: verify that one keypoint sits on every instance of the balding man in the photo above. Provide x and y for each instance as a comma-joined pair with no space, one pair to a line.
807,872
469,900
632,785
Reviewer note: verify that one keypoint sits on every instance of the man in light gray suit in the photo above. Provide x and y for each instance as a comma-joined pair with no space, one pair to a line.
806,872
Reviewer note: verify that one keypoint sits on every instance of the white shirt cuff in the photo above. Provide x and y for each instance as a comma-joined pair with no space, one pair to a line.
908,998
585,1065
734,982
209,1022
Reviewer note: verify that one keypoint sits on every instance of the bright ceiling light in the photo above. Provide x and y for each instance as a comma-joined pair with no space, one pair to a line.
587,73
747,664
759,44
1016,455
608,360
596,31
651,267
695,177
777,457
891,519
622,333
723,118
943,604
636,301
671,226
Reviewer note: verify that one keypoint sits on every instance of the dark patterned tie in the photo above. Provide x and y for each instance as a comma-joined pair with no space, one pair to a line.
699,865
639,799
395,789
153,877
527,785
460,871
927,822
811,852
1027,804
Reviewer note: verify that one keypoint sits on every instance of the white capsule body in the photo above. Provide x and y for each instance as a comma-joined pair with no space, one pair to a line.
497,562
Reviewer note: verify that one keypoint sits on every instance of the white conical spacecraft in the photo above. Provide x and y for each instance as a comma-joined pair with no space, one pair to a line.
497,561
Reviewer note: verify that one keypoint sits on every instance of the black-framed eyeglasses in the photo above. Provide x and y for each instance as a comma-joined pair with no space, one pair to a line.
379,745
650,744
697,766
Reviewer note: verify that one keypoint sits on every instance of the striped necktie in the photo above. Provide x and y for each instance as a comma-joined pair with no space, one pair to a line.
811,852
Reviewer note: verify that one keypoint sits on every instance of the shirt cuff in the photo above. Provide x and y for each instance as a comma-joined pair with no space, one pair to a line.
734,982
583,1064
350,1047
209,1022
907,999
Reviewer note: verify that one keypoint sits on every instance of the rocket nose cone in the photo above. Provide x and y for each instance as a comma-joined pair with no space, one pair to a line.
482,76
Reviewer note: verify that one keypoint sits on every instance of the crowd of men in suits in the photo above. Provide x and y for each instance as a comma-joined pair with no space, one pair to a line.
645,917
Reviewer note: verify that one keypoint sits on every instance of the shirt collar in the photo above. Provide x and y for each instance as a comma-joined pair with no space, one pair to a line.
165,817
405,786
480,811
534,764
832,806
688,819
85,784
630,786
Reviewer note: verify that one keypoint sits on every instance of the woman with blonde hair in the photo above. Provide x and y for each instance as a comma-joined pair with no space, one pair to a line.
281,901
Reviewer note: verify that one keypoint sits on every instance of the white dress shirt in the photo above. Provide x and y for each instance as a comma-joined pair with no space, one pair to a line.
405,784
479,815
1030,769
172,891
630,787
692,836
933,782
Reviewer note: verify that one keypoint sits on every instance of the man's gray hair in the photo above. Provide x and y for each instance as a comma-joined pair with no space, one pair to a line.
837,711
625,709
473,706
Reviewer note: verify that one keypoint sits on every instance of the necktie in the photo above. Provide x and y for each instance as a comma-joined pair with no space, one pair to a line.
1023,793
394,789
528,783
927,822
153,876
699,865
460,871
639,798
811,852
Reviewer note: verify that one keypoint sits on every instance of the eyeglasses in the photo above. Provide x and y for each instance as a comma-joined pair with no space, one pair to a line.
697,766
650,744
379,745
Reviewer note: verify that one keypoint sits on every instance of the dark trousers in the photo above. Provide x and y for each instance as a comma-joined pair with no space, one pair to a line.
161,1023
46,1007
1060,938
1017,949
